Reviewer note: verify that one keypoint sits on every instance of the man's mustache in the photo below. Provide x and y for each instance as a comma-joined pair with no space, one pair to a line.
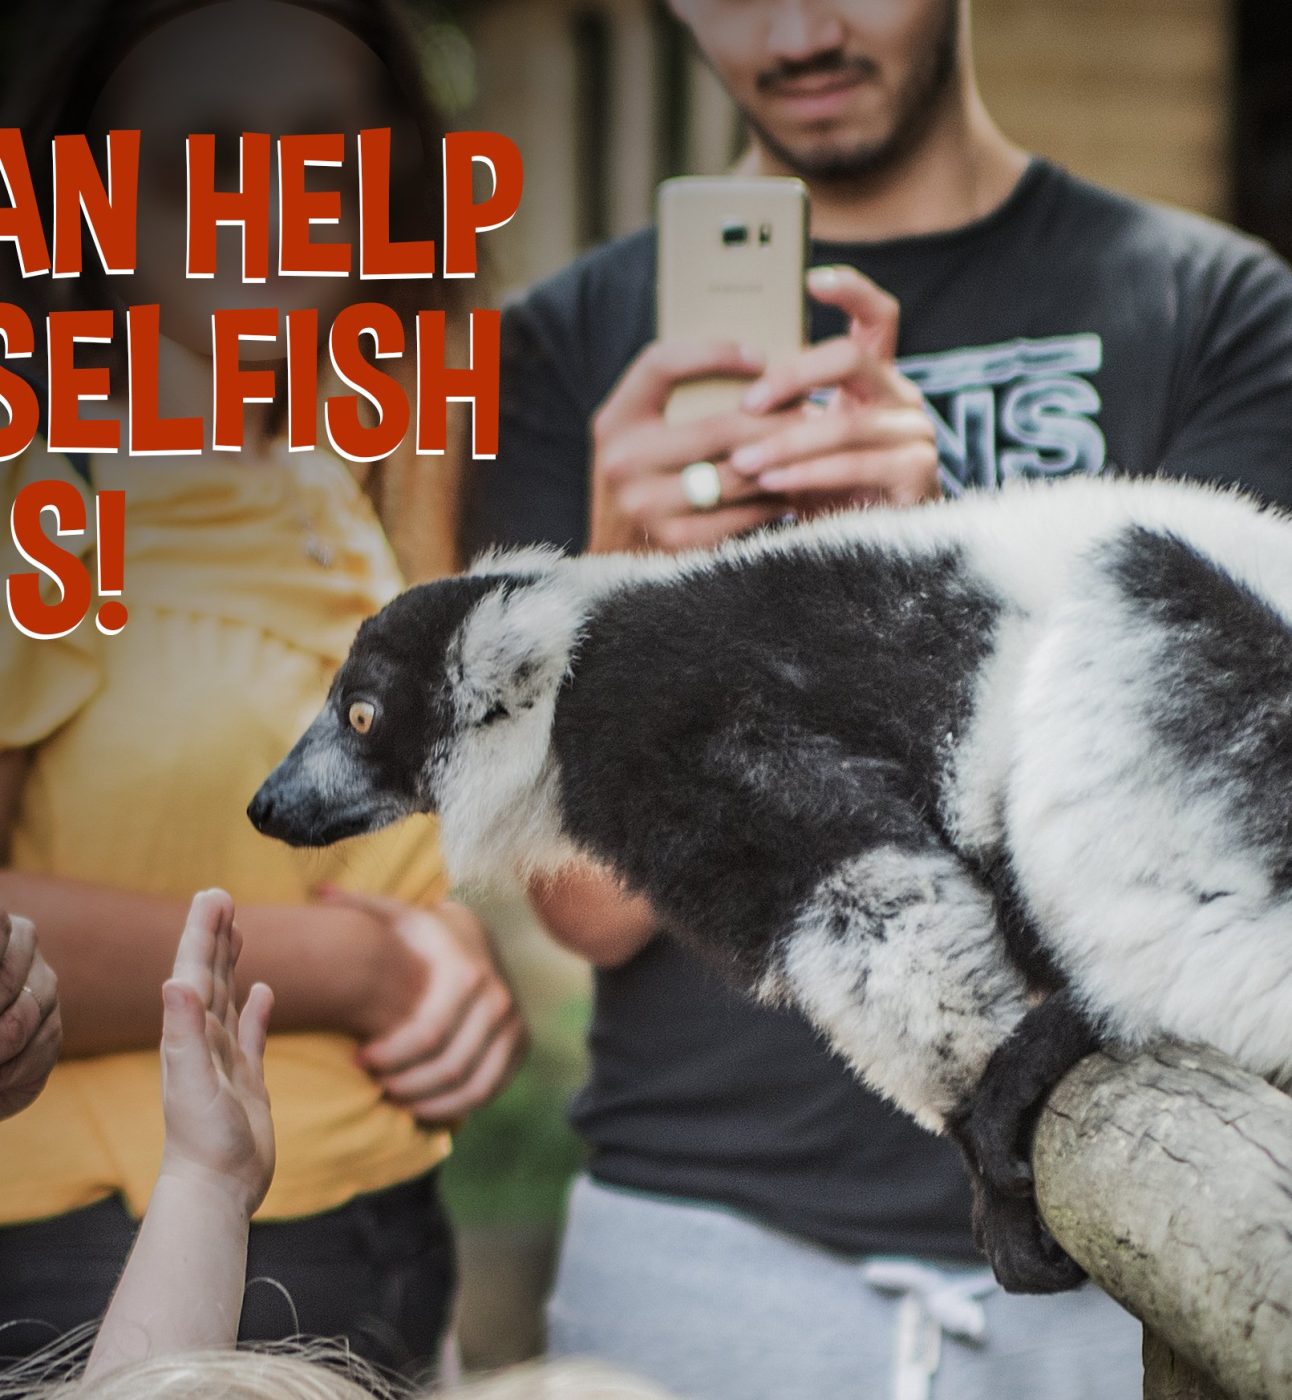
826,65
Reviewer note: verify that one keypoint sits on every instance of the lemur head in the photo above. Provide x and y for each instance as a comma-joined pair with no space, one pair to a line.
443,670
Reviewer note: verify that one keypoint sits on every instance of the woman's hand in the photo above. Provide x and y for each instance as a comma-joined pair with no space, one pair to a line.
31,1028
218,1127
462,1038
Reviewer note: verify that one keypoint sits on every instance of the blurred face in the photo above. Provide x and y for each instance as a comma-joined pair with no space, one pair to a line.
229,67
833,89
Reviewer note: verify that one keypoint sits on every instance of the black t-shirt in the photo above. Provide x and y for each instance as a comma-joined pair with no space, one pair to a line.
1071,330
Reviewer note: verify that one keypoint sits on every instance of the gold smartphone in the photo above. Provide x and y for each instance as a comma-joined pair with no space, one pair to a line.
731,266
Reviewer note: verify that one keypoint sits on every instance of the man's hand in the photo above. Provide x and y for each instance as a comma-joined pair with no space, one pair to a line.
872,442
31,1028
637,457
462,1038
218,1128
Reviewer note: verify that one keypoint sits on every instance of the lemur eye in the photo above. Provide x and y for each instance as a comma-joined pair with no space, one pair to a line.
362,714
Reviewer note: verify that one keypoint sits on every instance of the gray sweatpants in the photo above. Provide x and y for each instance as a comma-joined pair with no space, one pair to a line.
714,1306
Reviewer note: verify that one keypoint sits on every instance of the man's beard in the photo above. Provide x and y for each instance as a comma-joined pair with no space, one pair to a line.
917,103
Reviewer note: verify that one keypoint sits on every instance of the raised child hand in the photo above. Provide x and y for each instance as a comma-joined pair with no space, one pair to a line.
218,1126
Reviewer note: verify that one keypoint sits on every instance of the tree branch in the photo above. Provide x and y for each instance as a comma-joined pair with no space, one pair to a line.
1168,1176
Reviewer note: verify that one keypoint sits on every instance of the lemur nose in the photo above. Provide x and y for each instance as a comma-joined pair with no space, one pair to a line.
261,810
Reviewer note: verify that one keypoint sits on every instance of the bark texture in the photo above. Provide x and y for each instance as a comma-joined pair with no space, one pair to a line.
1168,1176
1167,1377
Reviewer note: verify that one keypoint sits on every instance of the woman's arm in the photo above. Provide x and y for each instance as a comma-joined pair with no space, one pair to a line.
418,987
587,910
338,969
13,773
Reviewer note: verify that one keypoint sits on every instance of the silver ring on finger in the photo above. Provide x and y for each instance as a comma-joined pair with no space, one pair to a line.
702,486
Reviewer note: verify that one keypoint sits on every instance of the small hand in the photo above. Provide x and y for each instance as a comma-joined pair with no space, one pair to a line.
873,440
218,1125
637,456
31,1028
462,1039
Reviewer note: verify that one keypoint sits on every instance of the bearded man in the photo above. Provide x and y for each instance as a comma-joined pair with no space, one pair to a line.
753,1223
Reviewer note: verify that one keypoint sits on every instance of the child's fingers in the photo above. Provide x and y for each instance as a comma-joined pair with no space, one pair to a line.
220,995
222,989
189,1069
229,995
195,956
253,1025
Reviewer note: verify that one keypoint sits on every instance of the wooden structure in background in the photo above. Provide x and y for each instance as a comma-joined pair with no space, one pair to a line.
1130,93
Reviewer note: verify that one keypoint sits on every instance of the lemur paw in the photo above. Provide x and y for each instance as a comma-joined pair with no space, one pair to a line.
999,1145
1023,1254
995,1146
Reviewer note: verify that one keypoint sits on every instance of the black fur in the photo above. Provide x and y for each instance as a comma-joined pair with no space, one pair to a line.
738,787
1224,700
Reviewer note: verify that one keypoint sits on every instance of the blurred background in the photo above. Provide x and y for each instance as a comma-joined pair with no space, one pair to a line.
1185,101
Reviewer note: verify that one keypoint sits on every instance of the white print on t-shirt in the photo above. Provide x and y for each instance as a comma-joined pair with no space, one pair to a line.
1021,408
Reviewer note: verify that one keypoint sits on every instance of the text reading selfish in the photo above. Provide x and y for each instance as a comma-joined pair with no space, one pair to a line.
272,212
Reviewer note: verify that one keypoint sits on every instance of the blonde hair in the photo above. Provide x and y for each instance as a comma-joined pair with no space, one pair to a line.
316,1370
296,1369
577,1379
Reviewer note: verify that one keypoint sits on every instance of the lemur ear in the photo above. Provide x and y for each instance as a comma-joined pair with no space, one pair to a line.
512,651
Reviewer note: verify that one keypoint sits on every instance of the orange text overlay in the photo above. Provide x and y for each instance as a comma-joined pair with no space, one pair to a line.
357,340
43,513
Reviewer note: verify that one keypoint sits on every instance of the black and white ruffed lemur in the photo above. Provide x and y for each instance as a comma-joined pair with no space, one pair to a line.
977,787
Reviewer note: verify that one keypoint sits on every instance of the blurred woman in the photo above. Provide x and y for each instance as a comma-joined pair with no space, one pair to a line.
126,762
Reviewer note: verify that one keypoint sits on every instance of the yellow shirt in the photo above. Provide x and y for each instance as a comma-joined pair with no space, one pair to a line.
147,748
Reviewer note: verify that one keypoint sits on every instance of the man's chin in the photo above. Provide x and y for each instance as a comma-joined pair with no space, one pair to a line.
830,152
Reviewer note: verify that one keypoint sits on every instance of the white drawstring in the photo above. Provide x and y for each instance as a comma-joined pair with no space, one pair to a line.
933,1303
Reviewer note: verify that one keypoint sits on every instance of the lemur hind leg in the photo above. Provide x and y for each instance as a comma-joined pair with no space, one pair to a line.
896,956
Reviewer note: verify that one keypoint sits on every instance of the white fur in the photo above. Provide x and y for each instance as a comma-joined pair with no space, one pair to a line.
497,790
920,993
1115,843
535,559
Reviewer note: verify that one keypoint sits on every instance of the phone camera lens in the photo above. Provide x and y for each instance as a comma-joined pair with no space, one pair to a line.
764,234
734,235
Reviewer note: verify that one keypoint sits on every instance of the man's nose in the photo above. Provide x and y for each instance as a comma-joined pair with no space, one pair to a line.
801,29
